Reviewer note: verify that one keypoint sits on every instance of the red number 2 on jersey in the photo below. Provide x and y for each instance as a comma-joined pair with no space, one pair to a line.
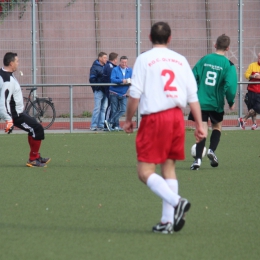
169,81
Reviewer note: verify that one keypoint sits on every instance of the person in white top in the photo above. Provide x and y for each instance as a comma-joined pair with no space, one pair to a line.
11,110
162,84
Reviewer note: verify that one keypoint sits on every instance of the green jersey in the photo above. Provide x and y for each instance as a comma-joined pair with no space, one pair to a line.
216,78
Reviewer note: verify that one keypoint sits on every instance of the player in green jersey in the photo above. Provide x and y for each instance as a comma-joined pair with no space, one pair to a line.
216,78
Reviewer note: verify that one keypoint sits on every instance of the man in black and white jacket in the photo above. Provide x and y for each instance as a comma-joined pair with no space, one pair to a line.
11,110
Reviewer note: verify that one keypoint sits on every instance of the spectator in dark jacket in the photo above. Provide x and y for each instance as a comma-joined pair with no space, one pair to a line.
120,75
111,63
100,98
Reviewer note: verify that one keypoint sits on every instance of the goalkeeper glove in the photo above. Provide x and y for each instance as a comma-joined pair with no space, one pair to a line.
9,126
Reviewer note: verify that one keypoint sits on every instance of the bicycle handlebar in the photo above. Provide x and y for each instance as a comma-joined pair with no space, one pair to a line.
32,89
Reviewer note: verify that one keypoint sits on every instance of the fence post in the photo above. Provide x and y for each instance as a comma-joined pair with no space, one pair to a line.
33,44
138,47
240,40
71,108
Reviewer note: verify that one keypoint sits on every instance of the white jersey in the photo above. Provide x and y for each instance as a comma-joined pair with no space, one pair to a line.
162,79
11,97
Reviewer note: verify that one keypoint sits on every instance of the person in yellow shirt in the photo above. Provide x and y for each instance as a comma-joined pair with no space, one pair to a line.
252,99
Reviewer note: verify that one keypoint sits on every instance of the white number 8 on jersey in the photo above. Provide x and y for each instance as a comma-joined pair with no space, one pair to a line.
211,78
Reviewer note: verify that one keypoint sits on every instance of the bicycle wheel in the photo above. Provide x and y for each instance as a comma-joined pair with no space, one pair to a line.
43,111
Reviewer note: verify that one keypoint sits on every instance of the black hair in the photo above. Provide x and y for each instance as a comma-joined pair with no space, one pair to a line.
160,33
8,58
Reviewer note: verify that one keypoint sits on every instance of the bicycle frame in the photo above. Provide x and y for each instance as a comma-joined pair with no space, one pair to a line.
28,99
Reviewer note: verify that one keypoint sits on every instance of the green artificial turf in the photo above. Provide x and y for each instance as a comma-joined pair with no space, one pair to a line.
89,204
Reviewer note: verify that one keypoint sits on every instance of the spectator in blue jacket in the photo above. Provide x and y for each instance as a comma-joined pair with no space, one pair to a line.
100,98
120,75
111,63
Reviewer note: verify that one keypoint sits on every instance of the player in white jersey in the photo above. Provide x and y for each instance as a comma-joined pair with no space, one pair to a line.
11,110
163,83
174,75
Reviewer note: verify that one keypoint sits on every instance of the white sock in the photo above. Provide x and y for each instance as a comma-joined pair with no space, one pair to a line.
159,186
167,209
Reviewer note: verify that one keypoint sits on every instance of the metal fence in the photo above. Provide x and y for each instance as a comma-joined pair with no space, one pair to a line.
57,41
74,119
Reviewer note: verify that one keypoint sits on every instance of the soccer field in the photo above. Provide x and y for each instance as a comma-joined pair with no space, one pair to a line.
89,204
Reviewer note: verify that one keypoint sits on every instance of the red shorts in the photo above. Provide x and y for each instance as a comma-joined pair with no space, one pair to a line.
161,136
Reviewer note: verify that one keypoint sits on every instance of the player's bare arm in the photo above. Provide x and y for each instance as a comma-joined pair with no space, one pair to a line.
232,107
132,105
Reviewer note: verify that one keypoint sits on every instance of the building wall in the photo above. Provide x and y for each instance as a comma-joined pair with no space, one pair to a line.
71,33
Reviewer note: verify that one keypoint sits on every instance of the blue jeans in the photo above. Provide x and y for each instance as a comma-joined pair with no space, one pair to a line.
100,106
118,108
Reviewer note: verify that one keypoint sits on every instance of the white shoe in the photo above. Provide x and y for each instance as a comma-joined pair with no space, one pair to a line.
196,164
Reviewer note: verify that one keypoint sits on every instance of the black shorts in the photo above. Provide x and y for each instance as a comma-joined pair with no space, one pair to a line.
215,117
253,101
30,125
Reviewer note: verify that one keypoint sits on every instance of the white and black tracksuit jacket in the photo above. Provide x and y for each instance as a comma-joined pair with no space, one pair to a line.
11,106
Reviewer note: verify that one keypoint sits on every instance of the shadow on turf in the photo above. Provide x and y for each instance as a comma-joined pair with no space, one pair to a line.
75,229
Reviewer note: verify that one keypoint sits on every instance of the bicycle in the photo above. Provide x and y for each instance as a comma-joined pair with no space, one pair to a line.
42,109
